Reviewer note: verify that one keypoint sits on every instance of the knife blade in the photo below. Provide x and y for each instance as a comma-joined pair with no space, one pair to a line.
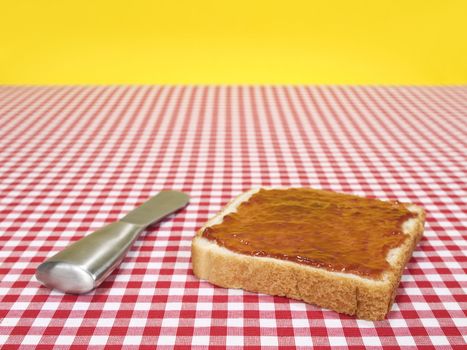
85,264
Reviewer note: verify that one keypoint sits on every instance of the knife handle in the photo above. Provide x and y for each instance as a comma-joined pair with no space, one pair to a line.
83,265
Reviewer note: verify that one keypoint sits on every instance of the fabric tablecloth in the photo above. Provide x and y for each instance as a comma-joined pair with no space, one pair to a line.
74,158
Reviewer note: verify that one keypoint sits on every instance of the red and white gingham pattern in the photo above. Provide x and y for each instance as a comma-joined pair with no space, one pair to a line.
76,158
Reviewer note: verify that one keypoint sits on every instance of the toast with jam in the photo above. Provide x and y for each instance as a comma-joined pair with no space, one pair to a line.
338,251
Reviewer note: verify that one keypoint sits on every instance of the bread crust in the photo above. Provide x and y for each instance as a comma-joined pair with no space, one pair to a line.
342,292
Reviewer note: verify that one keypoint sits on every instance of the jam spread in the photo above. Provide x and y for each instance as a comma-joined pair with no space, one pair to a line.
335,231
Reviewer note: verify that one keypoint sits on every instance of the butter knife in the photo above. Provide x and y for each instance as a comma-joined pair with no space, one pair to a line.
85,264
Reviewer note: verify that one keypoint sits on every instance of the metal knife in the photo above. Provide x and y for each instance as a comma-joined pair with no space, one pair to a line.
85,264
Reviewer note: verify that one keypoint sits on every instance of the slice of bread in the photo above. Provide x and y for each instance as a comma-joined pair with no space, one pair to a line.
348,293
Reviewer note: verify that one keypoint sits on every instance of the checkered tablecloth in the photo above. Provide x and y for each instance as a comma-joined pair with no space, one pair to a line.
74,158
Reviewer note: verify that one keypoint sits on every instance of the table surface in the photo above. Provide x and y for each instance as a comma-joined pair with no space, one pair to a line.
74,158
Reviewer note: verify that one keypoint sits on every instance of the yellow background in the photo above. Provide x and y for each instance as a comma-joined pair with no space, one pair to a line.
330,42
